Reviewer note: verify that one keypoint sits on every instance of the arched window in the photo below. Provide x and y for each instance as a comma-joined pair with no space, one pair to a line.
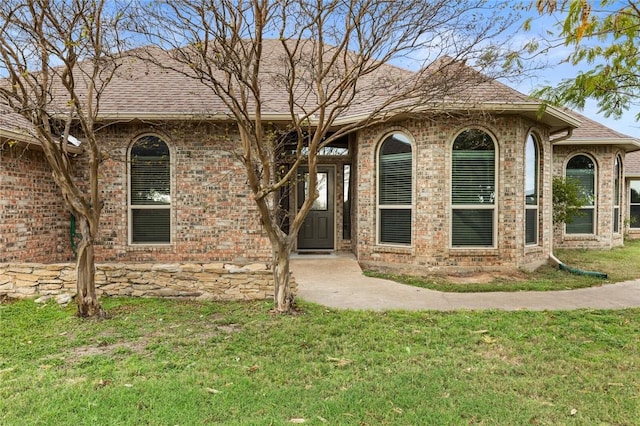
582,170
473,190
617,179
395,188
531,189
149,191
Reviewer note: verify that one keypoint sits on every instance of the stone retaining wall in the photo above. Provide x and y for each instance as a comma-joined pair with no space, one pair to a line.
201,281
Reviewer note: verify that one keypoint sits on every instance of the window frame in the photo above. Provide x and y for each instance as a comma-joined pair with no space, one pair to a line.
479,206
617,194
379,206
131,206
634,224
532,137
595,194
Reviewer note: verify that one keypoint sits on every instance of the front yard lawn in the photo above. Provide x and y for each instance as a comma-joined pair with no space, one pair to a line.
161,362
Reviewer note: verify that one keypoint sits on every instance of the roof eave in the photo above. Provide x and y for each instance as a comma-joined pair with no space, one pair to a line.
33,142
184,116
625,144
555,118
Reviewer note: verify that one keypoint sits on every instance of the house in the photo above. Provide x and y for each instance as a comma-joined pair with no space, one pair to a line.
462,188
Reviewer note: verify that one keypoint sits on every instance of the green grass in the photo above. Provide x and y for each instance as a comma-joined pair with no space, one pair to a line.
160,362
620,264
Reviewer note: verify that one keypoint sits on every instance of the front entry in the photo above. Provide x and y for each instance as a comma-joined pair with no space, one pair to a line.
317,231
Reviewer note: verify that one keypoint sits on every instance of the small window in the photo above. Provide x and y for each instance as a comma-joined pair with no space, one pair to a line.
395,183
322,202
346,212
150,192
531,190
582,170
617,179
473,190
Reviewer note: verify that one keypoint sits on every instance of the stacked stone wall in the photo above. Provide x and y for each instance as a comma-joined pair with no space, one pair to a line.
198,281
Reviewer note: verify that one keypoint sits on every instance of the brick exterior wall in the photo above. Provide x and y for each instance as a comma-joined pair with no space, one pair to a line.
34,225
214,218
431,250
604,235
213,215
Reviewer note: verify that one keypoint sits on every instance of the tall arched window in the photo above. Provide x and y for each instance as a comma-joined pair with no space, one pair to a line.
617,179
149,191
395,188
531,189
582,170
473,190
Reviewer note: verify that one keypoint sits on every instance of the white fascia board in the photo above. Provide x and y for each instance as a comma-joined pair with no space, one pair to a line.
174,116
629,144
556,117
30,140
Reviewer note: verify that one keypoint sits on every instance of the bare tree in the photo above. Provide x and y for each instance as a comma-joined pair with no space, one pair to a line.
56,57
330,60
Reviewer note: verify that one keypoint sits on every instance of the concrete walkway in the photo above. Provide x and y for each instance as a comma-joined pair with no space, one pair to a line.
336,281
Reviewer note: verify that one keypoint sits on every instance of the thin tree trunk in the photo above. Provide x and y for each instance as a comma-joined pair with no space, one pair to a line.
282,297
88,304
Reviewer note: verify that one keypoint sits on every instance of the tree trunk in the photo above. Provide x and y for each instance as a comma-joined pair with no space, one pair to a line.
282,297
88,304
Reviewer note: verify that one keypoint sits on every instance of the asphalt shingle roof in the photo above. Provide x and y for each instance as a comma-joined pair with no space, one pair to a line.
167,90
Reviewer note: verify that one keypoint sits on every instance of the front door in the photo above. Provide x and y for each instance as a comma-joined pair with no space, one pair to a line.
317,231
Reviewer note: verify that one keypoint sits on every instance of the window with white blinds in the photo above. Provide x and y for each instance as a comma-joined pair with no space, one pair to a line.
395,187
149,191
531,191
617,179
582,170
473,190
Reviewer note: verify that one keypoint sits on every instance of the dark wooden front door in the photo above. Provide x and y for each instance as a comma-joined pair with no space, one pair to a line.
317,231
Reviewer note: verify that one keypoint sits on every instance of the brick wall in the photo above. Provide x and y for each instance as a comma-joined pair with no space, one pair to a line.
213,218
34,225
604,235
431,250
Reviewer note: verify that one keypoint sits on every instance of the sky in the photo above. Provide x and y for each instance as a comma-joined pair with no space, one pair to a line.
557,70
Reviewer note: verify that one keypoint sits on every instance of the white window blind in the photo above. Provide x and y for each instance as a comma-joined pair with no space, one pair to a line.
617,170
150,191
581,169
395,183
473,190
532,165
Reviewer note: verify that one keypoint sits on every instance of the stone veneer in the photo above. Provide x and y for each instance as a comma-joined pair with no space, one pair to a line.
199,281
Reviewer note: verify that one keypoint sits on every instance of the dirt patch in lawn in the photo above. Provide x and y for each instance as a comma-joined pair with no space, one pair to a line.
143,345
485,277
